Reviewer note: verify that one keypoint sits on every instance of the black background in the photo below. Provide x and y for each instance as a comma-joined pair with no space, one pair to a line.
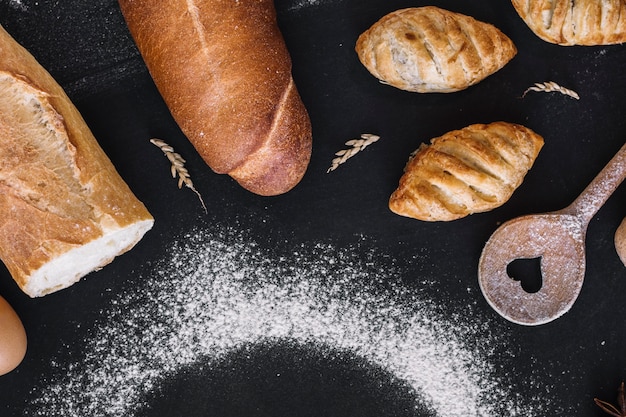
86,47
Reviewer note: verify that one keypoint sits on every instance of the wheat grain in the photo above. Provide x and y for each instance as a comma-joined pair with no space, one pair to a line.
551,86
356,146
178,167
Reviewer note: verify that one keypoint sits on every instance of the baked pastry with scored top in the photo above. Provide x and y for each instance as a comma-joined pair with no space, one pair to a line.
429,49
471,170
575,22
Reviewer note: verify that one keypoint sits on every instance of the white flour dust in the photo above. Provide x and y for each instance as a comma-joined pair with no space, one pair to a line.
18,5
216,293
303,4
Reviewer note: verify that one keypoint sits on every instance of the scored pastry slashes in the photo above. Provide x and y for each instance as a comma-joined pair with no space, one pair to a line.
429,49
575,22
466,171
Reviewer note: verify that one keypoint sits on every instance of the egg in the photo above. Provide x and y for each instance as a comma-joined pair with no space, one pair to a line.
12,338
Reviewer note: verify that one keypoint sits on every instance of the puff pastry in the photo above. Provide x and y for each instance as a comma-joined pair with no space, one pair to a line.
428,49
466,171
575,22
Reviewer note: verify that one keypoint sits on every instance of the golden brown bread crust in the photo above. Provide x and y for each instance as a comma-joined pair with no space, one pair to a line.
579,22
466,171
224,71
58,190
428,49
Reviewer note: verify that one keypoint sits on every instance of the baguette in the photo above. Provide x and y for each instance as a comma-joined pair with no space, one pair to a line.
64,209
223,69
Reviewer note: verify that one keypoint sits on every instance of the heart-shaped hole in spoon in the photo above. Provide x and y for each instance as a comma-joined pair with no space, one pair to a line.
558,238
527,272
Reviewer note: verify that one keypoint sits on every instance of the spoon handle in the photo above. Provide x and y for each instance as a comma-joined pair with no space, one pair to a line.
600,189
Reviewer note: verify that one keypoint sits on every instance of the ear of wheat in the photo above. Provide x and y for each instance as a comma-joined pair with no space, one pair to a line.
178,167
355,146
551,86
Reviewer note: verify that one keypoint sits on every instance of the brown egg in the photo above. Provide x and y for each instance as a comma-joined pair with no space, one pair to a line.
620,241
12,338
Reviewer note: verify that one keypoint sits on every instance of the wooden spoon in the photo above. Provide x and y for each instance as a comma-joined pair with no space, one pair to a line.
558,238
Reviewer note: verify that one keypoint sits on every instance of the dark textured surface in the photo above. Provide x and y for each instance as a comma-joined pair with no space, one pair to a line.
85,45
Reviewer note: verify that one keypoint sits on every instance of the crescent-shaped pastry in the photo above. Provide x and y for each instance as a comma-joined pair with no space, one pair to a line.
575,22
466,171
428,49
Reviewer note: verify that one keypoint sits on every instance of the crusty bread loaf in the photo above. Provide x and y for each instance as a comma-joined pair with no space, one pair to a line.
575,22
466,171
432,50
224,72
620,241
64,210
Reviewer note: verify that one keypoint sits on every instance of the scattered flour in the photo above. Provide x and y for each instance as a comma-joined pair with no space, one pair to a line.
215,293
302,4
18,5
